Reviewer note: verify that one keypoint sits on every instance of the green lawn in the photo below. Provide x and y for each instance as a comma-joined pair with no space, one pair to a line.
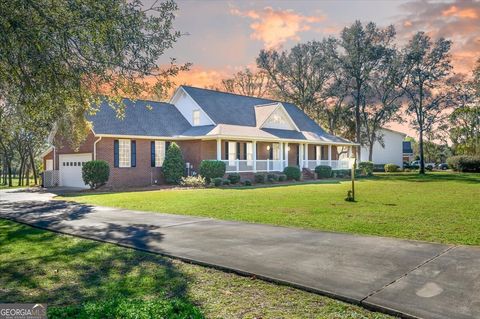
438,207
81,278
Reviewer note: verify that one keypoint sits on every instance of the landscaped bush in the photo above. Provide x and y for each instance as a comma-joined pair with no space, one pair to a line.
234,178
366,167
282,177
379,167
292,173
272,178
391,168
192,181
212,169
225,181
259,178
173,165
341,173
323,171
464,163
217,181
247,182
95,173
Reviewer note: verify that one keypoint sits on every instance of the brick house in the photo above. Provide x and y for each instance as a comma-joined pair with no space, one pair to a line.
249,134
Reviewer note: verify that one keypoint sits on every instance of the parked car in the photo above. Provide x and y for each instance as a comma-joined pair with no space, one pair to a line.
428,166
442,166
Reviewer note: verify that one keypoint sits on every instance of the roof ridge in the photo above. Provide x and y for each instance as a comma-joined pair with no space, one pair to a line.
231,93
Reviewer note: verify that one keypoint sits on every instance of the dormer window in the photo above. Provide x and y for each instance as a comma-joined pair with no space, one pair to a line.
196,117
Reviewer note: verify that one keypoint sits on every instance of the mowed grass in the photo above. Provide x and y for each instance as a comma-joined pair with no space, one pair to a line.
437,207
81,278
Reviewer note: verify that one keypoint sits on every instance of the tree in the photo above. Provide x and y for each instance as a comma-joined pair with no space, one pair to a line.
58,57
248,83
381,99
300,75
428,65
463,125
173,165
364,48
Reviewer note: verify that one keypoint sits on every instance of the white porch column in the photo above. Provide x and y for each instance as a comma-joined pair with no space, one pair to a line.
219,149
330,155
306,155
281,156
300,155
286,154
254,145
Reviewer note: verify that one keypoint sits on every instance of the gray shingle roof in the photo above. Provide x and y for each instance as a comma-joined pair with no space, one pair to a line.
142,117
234,109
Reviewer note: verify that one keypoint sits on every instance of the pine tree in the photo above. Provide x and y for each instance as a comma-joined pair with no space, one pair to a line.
173,165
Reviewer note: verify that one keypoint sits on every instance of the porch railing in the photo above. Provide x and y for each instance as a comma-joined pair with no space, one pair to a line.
243,166
335,164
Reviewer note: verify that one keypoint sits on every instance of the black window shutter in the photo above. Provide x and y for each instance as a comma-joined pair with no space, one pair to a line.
133,149
245,151
226,150
315,152
238,150
115,153
152,153
271,152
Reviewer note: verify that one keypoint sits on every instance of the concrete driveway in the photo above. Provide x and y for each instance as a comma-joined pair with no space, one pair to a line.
407,278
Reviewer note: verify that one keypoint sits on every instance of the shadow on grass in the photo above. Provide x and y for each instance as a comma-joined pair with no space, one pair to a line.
470,178
85,278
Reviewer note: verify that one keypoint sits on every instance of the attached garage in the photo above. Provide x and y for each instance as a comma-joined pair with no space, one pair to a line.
71,169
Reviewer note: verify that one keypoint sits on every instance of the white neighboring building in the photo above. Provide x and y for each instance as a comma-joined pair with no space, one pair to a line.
391,153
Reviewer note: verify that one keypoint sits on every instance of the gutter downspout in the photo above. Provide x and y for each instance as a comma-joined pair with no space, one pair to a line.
95,148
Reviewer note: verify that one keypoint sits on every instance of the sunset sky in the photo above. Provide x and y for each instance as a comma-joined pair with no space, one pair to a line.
223,37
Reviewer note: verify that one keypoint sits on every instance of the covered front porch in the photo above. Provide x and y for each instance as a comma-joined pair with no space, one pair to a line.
242,156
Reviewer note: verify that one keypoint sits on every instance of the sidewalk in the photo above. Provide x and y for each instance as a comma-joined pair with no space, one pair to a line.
407,278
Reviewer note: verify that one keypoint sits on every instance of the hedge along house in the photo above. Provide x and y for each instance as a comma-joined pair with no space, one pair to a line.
249,134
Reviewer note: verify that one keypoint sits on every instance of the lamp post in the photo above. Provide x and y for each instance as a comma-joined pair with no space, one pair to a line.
351,193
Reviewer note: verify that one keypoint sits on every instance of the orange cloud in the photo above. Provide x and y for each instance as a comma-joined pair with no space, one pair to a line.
275,27
457,21
454,11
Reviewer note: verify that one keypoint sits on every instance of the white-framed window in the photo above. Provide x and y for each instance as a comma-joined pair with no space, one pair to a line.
249,154
232,153
318,152
159,153
124,153
196,117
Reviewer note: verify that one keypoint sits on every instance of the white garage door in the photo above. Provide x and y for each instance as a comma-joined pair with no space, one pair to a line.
71,169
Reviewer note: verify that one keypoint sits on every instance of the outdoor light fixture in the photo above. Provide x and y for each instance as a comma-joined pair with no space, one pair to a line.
268,147
288,148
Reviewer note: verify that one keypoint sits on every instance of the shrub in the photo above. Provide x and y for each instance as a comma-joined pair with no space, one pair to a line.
192,181
247,182
391,168
341,173
464,163
95,173
217,181
225,181
282,177
234,178
292,173
259,178
212,169
323,171
173,165
272,178
366,168
379,167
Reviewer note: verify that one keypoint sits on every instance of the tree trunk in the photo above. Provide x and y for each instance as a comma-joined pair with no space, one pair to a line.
370,152
9,169
422,161
357,125
34,170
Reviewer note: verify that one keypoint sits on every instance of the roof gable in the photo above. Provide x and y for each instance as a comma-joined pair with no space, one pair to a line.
274,116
